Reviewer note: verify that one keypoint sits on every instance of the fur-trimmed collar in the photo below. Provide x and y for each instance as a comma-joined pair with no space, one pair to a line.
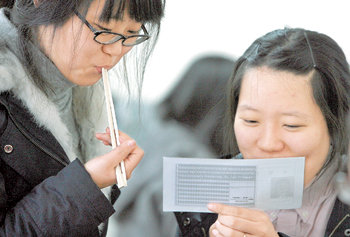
88,102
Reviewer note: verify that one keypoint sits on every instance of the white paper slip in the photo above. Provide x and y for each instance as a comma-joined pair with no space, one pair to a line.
189,184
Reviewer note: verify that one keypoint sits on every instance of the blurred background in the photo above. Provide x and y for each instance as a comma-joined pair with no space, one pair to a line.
192,28
182,103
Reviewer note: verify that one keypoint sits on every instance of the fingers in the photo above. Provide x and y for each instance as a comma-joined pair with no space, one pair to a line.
232,219
133,160
250,214
102,168
123,137
237,224
219,230
121,152
104,137
134,156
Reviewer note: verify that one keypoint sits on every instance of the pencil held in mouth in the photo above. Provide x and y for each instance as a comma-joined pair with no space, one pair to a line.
113,128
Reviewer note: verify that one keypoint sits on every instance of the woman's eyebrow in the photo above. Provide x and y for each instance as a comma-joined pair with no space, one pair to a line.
106,29
246,107
296,114
102,28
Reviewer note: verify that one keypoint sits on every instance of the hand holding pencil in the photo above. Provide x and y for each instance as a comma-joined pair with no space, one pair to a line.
104,166
117,165
113,126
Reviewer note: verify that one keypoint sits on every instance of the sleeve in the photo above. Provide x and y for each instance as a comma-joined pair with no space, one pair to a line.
194,224
68,204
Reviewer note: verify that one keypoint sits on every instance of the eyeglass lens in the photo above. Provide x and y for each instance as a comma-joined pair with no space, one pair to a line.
108,38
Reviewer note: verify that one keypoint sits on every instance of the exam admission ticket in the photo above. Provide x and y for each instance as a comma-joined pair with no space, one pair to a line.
189,184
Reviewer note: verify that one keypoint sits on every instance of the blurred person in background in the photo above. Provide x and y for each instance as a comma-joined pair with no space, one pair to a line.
184,124
198,99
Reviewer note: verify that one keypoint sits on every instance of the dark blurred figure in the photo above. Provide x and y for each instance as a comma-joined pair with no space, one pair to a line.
8,3
197,101
184,124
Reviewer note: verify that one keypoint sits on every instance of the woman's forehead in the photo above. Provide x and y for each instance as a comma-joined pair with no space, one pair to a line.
268,87
139,11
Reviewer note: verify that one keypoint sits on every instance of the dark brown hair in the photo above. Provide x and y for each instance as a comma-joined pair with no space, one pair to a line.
300,52
27,17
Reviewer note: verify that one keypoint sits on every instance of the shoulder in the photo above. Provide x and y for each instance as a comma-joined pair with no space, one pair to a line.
339,221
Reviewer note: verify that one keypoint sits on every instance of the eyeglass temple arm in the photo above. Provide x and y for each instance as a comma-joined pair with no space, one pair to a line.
84,21
144,29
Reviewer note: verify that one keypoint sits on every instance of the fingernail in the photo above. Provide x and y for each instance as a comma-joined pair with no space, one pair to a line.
211,206
131,143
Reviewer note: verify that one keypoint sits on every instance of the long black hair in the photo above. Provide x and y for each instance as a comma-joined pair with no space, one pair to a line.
300,52
27,16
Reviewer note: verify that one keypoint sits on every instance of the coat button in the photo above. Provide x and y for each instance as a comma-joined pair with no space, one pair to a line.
347,232
8,149
187,221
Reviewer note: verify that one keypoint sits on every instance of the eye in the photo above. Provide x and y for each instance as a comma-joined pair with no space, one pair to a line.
134,32
250,122
292,126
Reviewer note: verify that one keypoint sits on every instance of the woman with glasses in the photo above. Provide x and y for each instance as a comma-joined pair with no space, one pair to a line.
57,177
288,96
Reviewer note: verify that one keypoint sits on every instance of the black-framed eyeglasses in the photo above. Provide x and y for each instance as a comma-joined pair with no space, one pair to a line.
107,37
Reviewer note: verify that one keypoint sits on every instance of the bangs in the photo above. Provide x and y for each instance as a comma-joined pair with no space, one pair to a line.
150,11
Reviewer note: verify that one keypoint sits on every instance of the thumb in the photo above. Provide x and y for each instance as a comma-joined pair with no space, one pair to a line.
121,152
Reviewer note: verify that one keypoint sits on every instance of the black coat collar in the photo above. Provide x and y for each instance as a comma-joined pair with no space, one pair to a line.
25,122
339,221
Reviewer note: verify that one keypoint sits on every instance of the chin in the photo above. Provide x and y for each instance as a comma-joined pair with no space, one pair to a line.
87,81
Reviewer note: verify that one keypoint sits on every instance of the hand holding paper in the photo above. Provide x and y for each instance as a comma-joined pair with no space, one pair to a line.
189,184
241,221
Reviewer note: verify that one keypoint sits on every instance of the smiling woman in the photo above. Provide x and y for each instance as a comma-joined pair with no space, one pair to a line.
276,116
287,97
56,177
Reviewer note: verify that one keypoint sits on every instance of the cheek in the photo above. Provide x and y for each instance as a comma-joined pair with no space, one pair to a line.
309,144
245,137
125,50
314,148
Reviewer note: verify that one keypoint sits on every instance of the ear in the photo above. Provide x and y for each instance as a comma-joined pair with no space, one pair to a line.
36,3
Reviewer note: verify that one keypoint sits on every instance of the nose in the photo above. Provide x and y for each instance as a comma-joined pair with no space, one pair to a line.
114,49
269,140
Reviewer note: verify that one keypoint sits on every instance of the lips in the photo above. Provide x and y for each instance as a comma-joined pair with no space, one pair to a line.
99,68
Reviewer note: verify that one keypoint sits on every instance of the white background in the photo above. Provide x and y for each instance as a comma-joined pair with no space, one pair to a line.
192,28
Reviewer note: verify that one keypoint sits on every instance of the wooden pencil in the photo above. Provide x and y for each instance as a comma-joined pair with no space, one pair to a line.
113,128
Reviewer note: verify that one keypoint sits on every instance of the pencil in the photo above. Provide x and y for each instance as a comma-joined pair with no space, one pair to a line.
113,128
